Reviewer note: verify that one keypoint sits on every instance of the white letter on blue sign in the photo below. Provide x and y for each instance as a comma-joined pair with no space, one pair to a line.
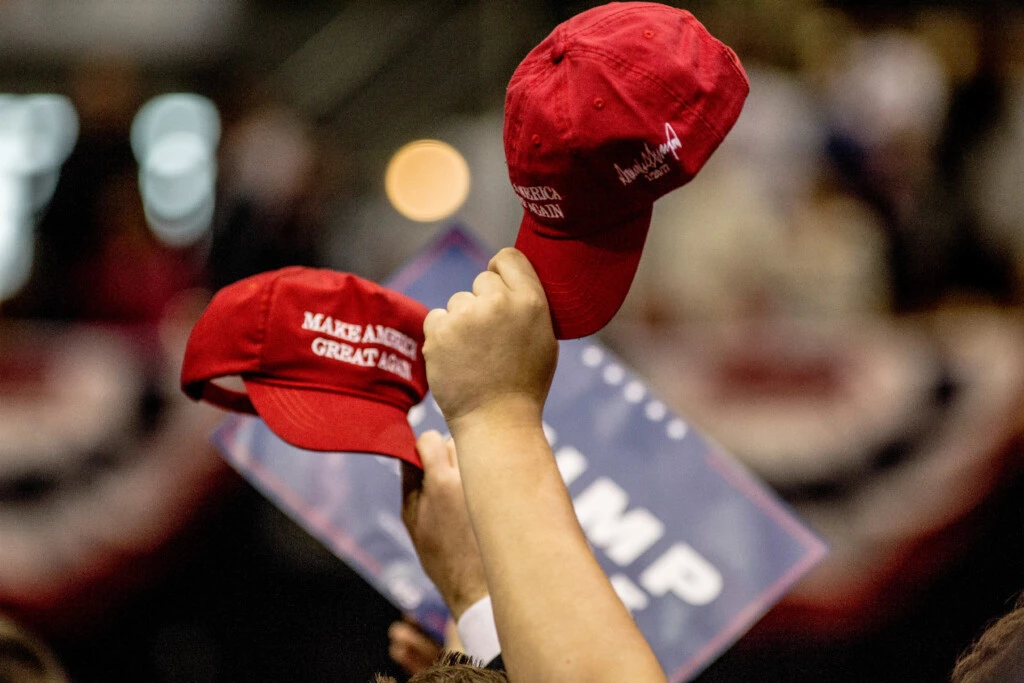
624,537
684,572
571,463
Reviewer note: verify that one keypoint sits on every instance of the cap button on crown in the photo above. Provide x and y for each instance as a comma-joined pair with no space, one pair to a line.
557,52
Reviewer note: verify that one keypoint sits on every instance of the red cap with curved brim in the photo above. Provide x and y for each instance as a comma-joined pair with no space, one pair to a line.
330,361
618,106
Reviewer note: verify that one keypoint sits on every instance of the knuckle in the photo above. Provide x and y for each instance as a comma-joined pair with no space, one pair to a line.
533,302
433,319
481,279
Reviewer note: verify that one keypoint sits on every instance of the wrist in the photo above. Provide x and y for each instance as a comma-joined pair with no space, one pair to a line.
510,412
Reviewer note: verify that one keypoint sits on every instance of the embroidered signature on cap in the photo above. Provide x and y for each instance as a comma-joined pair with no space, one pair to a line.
651,164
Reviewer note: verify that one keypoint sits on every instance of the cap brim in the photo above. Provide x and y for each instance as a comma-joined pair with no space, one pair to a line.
586,278
328,421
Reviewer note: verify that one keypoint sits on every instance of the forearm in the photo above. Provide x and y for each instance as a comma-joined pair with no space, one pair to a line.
557,615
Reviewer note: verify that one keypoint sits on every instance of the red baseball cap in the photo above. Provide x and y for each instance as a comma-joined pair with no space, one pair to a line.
620,105
331,362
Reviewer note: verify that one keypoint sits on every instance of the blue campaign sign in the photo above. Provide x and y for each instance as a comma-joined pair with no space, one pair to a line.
695,546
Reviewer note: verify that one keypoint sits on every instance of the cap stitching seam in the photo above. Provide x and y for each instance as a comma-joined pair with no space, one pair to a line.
656,7
376,398
682,102
561,117
265,318
582,31
519,100
516,97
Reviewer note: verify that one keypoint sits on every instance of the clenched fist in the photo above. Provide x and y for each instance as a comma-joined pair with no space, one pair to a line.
492,352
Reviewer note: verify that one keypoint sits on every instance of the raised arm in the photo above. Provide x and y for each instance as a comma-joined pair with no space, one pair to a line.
490,357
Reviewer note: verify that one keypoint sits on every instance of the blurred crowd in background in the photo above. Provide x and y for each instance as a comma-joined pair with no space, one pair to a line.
836,298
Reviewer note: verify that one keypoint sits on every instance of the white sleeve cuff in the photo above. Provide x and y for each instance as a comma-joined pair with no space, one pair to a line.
477,631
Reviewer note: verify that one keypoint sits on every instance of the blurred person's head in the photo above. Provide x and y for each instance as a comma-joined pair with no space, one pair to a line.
888,99
269,214
889,86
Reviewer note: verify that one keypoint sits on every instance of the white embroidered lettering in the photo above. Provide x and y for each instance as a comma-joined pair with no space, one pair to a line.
537,193
651,164
312,322
347,331
380,335
545,210
394,339
396,365
327,348
540,200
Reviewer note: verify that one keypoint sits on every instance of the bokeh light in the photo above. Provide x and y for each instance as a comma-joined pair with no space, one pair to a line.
174,138
16,240
427,180
37,133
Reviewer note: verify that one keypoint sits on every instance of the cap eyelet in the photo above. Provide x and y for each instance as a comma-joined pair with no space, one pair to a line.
598,103
648,33
535,140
